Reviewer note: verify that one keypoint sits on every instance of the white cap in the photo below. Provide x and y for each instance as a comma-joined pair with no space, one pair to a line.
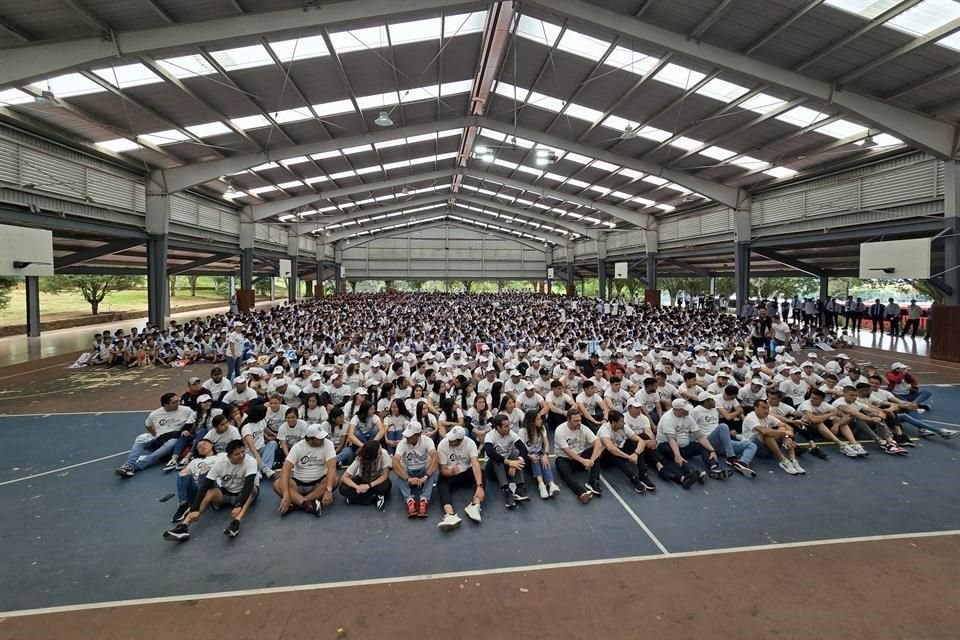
680,403
456,433
812,355
305,367
757,381
843,355
807,364
204,398
374,365
514,372
521,387
706,395
381,348
795,370
315,431
240,379
412,429
314,358
633,402
485,347
238,324
362,391
898,365
780,349
723,373
315,378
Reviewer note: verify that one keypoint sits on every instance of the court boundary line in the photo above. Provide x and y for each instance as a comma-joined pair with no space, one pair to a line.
468,574
908,357
70,413
636,518
67,468
14,375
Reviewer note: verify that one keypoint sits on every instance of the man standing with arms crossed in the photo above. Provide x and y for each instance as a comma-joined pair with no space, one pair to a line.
234,353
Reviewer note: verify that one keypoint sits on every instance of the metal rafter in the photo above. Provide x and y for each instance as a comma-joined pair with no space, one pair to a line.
708,20
87,15
569,225
302,227
783,24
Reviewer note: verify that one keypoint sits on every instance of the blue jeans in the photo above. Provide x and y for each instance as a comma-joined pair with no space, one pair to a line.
540,470
910,417
268,454
233,368
722,442
423,492
183,443
187,488
142,450
345,456
919,397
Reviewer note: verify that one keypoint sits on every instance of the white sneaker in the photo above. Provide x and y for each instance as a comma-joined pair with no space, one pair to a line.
786,466
861,452
473,512
450,521
554,489
949,434
268,473
544,493
848,451
797,467
170,466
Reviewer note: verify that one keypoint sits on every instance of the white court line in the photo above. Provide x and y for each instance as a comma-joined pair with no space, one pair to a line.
467,574
894,356
948,424
69,413
72,466
14,375
636,518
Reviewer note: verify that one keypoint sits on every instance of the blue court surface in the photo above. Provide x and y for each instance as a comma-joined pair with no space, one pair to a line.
74,533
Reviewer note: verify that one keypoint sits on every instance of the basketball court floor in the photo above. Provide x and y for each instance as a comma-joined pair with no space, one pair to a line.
855,548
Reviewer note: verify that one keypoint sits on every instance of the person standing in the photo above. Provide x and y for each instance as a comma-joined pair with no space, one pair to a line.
892,315
234,355
913,319
876,315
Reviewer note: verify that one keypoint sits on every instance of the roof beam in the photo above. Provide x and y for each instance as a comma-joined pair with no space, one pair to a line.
932,136
27,63
721,193
186,176
630,216
258,212
301,228
86,15
178,269
783,24
697,32
84,255
686,266
446,221
568,225
793,263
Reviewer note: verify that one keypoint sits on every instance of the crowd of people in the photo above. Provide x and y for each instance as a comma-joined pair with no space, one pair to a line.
513,393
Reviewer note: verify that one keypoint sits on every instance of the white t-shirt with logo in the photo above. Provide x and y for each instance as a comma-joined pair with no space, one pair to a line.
231,477
457,457
707,419
310,463
575,440
618,437
256,430
221,440
414,457
752,421
501,444
164,421
201,466
293,434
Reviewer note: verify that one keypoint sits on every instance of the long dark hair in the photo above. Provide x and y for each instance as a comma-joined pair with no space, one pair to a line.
256,413
446,406
534,433
363,413
496,391
401,407
368,455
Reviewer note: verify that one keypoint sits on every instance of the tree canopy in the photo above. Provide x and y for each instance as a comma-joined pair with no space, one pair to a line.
93,288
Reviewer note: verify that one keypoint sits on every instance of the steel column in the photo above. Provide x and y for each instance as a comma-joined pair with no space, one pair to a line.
33,306
951,217
157,289
246,269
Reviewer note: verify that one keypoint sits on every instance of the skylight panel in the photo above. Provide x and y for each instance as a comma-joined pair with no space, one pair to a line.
868,9
418,93
462,24
493,135
208,129
780,172
631,61
128,75
580,184
359,39
342,174
449,132
291,184
358,149
69,85
665,207
323,155
604,166
10,97
545,102
242,57
886,140
300,48
530,170
119,145
643,201
630,173
293,115
583,45
951,42
187,66
250,122
415,31
599,189
841,129
427,137
750,163
161,138
579,159
537,30
265,166
332,108
685,143
583,113
925,17
620,194
504,163
801,116
511,92
761,103
655,180
453,88
390,143
377,101
316,179
717,153
259,190
652,133
722,90
677,76
365,170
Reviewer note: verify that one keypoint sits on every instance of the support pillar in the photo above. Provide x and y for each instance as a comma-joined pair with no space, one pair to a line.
246,268
652,242
713,285
951,221
273,289
338,270
33,306
824,287
293,253
571,288
741,263
157,227
602,268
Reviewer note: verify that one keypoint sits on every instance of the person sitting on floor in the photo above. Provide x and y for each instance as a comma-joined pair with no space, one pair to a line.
231,481
737,453
221,433
506,454
679,438
623,448
578,449
260,449
459,467
291,431
824,419
534,437
188,480
415,465
164,426
309,474
773,436
367,479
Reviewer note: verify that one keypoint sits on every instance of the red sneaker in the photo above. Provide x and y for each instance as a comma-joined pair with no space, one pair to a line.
411,508
422,511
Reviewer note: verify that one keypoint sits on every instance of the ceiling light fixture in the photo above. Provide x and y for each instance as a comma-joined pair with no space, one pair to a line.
629,133
689,198
868,142
384,119
546,158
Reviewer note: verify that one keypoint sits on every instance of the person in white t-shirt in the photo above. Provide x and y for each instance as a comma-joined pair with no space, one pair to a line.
234,354
241,395
738,453
221,433
623,448
188,480
459,467
592,405
415,465
309,474
773,436
794,388
534,437
826,420
164,426
680,439
578,449
367,480
291,431
231,481
506,455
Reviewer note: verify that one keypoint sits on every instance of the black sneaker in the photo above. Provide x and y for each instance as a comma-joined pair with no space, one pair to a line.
818,452
179,533
637,485
647,482
233,529
924,406
181,512
701,477
381,503
520,495
744,469
508,500
124,471
688,480
598,492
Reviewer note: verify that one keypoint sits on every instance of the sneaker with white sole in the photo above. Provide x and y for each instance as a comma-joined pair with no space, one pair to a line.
170,466
797,467
786,466
473,512
125,471
544,492
949,434
184,461
381,503
267,473
233,529
450,521
861,452
926,433
847,450
554,489
743,469
179,533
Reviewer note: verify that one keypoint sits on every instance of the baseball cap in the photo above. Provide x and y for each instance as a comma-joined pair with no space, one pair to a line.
898,365
361,391
240,380
795,370
315,377
757,381
193,380
514,372
204,398
315,431
521,387
705,395
412,429
238,324
457,433
278,371
633,402
812,356
843,355
680,403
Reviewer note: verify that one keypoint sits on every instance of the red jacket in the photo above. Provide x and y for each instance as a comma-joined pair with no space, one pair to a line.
894,378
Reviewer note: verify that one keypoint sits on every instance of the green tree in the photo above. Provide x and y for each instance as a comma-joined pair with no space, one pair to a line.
93,288
192,281
6,284
725,287
467,285
674,286
784,287
261,285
